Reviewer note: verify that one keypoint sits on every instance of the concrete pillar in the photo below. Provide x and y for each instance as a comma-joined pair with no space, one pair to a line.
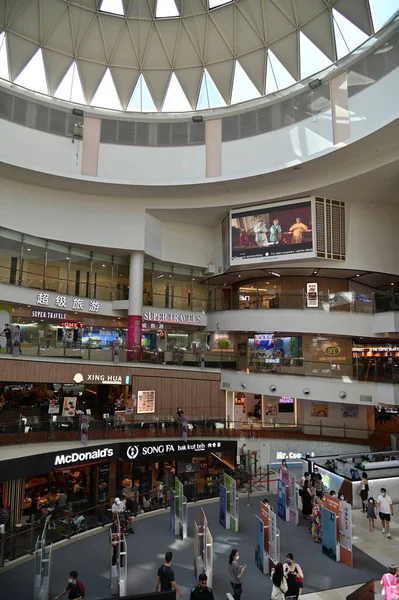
135,318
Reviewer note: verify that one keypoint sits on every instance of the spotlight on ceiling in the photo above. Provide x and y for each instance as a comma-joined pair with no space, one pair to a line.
198,119
315,84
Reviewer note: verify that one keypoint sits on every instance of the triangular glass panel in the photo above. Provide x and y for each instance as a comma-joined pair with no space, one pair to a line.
4,70
215,3
382,12
175,99
141,100
166,8
277,76
33,75
243,88
114,7
70,87
313,60
347,35
106,95
209,96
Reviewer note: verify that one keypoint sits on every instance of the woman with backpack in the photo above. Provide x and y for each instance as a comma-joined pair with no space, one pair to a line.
75,588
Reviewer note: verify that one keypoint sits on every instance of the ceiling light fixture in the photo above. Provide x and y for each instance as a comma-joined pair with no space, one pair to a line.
28,249
316,83
275,274
159,276
198,119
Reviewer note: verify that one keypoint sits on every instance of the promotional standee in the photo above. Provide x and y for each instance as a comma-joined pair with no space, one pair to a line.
228,504
203,549
288,497
42,565
267,539
118,555
336,532
180,510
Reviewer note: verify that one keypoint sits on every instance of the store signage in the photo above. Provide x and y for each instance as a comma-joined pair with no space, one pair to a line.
164,317
75,324
104,379
286,400
137,451
44,299
288,455
312,295
375,349
46,314
81,457
263,336
332,350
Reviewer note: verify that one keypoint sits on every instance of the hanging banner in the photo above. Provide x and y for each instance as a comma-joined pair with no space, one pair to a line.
69,407
312,295
185,429
259,544
329,540
345,539
274,546
172,515
84,430
282,500
223,506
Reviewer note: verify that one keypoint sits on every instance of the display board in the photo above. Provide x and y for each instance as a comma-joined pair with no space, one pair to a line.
180,510
281,500
260,555
276,231
329,542
209,557
267,539
42,565
145,402
232,506
345,534
224,517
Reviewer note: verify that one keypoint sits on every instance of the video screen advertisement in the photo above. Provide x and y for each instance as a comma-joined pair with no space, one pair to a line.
279,231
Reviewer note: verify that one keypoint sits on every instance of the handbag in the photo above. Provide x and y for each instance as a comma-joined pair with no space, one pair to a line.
299,581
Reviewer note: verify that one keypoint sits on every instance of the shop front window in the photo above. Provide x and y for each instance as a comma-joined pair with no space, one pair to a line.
10,256
183,297
162,286
200,291
268,353
147,285
33,262
79,273
260,294
101,276
120,289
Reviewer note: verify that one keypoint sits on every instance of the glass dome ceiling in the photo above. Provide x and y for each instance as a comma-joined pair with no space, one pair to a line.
177,55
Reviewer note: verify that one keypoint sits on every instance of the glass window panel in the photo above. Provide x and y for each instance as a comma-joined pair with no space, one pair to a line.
34,255
183,292
79,274
162,288
10,252
102,276
57,267
121,278
147,286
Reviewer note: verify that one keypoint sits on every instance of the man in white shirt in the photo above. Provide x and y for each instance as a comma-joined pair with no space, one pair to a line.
385,510
118,506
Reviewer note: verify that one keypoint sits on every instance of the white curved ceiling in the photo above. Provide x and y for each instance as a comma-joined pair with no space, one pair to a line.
203,57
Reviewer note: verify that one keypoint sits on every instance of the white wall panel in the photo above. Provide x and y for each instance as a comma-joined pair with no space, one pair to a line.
187,244
141,165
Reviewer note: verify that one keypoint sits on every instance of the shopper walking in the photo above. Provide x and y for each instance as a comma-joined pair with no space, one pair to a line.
364,491
166,577
385,510
280,586
75,588
306,495
236,571
371,513
202,591
389,581
294,576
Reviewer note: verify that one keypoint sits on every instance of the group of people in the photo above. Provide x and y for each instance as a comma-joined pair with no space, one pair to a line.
275,233
382,507
313,492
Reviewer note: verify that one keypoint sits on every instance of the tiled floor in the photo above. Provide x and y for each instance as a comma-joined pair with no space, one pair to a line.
375,544
339,593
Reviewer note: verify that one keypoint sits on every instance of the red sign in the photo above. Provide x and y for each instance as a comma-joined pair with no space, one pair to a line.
75,324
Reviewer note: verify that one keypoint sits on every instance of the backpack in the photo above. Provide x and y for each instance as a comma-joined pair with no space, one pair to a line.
81,588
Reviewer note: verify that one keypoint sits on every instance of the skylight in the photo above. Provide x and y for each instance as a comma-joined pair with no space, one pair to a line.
175,99
243,88
141,100
112,6
312,59
277,76
166,8
215,3
209,96
70,87
347,35
382,11
4,71
106,95
33,76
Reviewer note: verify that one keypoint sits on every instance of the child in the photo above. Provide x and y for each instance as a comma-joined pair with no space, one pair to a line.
371,513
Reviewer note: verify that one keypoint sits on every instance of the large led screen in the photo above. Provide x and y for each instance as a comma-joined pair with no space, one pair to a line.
274,231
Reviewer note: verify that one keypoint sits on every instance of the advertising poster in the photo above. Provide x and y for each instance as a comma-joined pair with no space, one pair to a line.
345,540
183,527
270,232
233,506
54,406
319,409
259,540
145,402
172,515
312,295
227,484
69,407
349,412
84,430
329,534
185,429
274,551
264,516
281,491
223,506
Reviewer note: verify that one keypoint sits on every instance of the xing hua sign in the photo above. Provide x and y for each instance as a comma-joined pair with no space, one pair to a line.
104,379
80,457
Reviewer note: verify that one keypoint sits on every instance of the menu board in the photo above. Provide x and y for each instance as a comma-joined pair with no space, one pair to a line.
54,406
69,407
145,402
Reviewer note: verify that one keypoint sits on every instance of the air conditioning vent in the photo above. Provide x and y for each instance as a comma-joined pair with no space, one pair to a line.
225,385
366,398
